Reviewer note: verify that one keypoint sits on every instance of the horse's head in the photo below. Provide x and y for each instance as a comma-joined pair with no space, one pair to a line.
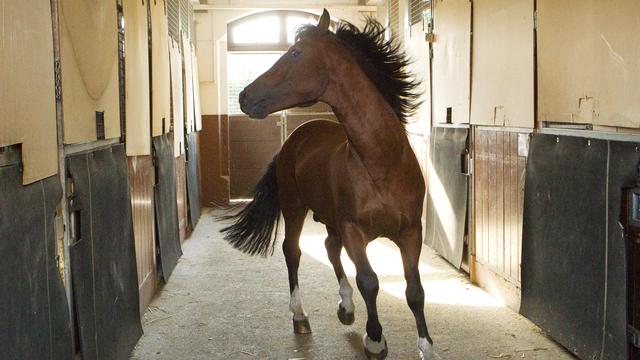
298,78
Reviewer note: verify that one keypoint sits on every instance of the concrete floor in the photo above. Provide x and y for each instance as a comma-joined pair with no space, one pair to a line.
222,304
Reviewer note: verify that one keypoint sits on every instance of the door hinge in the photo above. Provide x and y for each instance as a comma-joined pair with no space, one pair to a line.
633,336
535,20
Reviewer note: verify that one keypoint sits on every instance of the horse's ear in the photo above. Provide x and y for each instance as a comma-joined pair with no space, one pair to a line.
323,23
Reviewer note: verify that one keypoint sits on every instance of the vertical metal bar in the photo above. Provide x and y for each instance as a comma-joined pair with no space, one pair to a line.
62,169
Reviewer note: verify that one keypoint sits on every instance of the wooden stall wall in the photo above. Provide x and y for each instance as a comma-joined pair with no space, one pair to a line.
27,92
181,195
451,61
89,69
500,161
502,95
141,182
588,67
252,146
214,160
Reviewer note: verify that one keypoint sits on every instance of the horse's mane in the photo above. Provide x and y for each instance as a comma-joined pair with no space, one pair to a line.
382,60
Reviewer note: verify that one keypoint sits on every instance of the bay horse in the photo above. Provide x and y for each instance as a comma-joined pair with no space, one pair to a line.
360,176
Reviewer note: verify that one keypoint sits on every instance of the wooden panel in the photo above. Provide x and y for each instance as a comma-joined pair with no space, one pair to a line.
137,78
252,145
214,160
141,182
588,62
502,80
181,195
451,60
177,99
295,120
498,210
160,72
27,93
89,67
188,85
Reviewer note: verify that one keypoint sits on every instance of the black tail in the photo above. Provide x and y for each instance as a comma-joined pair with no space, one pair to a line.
253,229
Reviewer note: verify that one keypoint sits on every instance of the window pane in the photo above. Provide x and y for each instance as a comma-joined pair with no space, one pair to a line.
242,70
265,30
293,22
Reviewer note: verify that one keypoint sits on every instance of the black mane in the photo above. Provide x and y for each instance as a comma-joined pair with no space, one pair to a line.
383,61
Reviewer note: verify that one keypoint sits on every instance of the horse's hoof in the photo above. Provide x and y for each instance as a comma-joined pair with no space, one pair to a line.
345,317
375,350
301,326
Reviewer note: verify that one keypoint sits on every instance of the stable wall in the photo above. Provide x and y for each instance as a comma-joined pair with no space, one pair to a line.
138,109
89,69
27,91
589,62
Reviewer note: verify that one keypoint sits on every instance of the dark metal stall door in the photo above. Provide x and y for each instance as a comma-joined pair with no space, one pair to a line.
447,192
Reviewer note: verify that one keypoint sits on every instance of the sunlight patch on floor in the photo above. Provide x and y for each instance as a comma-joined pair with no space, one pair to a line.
447,292
385,259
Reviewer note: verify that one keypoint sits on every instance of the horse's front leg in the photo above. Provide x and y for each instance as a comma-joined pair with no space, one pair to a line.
294,221
346,308
355,242
410,246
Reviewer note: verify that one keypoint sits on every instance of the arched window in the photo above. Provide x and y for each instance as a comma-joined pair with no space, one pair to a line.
267,31
255,42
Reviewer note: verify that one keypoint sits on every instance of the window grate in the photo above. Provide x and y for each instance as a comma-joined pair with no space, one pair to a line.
184,17
394,18
173,15
417,10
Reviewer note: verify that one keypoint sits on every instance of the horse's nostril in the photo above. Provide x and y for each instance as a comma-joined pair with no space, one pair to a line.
242,96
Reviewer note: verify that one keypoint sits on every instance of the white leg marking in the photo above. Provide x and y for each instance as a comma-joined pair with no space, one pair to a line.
295,305
374,347
426,350
346,294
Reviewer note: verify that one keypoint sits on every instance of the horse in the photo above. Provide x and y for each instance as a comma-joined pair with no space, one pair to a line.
359,177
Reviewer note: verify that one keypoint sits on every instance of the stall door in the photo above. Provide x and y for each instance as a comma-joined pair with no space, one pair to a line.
252,145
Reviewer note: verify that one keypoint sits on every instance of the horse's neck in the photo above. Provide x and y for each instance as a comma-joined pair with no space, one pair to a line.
369,122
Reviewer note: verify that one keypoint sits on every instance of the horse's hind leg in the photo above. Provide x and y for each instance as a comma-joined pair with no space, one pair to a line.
410,246
355,242
346,307
293,222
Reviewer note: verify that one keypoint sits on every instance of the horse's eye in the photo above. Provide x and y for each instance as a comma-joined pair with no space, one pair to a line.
295,52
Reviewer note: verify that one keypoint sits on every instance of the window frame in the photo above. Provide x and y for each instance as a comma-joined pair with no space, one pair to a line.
282,45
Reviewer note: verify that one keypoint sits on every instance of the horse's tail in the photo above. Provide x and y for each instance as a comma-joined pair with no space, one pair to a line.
253,229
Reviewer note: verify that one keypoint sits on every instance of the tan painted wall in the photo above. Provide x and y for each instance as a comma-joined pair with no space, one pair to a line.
188,85
160,71
137,79
451,60
502,64
177,98
89,62
27,90
589,62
